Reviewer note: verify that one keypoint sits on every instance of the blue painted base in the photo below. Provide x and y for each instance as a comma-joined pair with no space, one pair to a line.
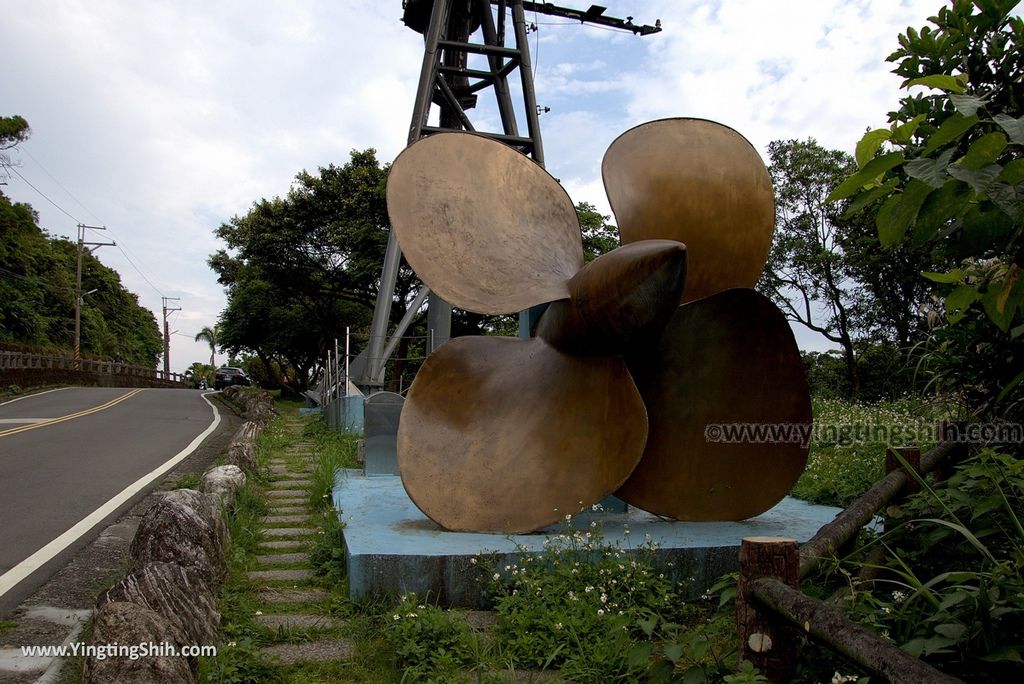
393,548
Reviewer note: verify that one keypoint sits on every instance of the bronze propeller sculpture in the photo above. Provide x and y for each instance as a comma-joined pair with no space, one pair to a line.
622,388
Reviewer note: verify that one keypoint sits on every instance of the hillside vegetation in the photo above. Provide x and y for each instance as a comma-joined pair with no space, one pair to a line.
37,296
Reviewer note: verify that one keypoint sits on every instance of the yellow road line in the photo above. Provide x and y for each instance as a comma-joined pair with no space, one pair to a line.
70,416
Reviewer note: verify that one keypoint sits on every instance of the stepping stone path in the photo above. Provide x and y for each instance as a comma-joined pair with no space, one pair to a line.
289,608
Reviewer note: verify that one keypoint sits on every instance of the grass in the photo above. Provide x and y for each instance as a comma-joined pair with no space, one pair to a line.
188,481
7,626
334,451
847,450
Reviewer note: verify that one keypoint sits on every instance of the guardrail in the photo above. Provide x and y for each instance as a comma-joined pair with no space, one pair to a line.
771,609
20,361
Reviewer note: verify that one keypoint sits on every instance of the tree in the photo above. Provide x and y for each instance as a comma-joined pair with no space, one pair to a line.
948,174
826,269
13,130
210,336
891,302
599,236
806,274
199,371
305,266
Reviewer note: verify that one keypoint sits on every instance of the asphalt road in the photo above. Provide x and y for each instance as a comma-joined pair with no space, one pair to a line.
67,454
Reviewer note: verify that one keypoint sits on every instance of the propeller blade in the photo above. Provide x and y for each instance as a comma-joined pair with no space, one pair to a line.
482,225
723,361
618,300
700,183
508,435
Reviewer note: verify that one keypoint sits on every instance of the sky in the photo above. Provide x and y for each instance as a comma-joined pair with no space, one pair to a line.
162,120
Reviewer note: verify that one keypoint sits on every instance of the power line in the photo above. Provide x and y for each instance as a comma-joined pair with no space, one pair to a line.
119,246
61,185
137,269
65,211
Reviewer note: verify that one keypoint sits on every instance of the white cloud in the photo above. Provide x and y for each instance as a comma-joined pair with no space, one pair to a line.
166,118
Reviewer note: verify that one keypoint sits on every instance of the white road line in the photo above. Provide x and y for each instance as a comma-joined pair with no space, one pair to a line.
26,567
11,421
29,396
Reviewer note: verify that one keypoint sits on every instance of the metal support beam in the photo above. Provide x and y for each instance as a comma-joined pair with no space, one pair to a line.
376,358
593,15
403,324
526,76
446,50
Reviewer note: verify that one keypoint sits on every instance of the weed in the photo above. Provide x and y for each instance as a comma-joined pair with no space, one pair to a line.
334,451
187,481
238,662
430,645
951,589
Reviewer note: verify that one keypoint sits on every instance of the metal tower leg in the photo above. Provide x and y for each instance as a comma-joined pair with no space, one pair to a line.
446,81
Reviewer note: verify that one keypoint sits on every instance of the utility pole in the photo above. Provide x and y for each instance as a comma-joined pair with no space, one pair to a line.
167,334
93,246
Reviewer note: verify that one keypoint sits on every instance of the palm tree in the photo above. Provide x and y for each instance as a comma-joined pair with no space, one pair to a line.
210,335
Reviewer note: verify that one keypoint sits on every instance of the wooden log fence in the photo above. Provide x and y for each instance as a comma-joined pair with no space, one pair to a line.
771,610
11,361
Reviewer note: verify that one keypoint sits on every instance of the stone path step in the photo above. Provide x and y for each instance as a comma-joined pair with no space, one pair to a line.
282,559
283,494
297,621
283,506
289,510
278,519
277,505
289,575
291,484
282,544
288,531
302,469
312,651
270,595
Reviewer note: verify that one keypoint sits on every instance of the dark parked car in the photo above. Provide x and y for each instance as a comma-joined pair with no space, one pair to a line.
227,376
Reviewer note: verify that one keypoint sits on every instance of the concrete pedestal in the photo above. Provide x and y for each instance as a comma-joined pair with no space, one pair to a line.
393,548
